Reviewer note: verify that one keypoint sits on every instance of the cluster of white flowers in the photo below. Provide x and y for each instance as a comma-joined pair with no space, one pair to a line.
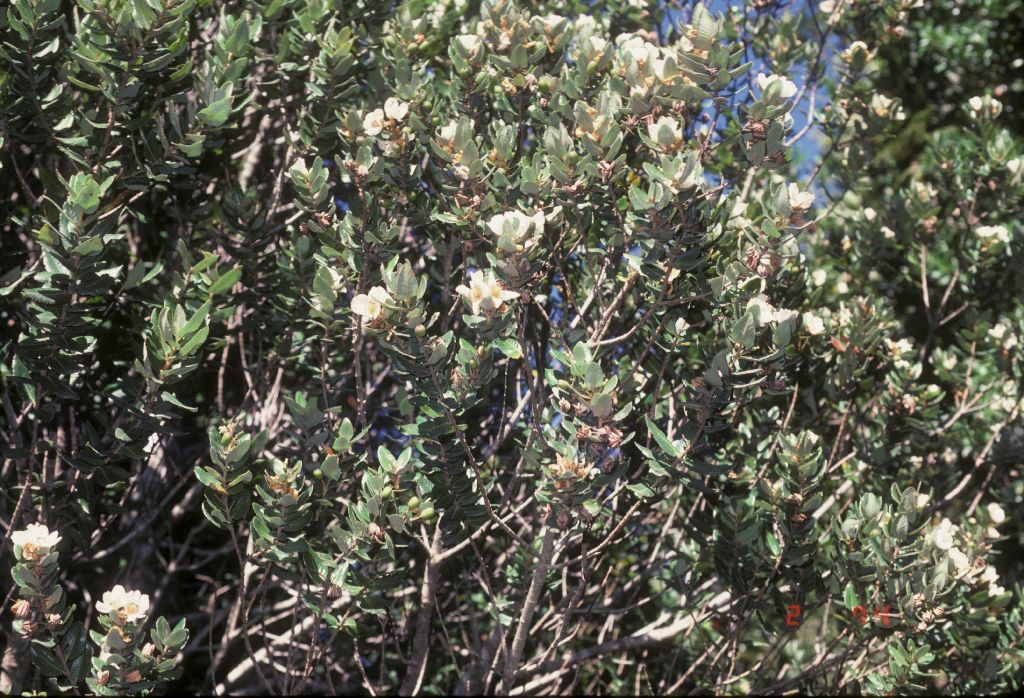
991,233
1004,335
129,606
485,293
35,541
985,107
370,306
1009,399
900,350
394,111
923,191
765,312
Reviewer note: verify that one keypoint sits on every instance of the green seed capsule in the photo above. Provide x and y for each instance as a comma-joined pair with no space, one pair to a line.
420,331
318,474
414,503
427,514
386,491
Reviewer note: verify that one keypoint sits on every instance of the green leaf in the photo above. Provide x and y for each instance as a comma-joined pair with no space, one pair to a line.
217,112
195,321
641,490
24,577
850,597
226,281
667,446
90,245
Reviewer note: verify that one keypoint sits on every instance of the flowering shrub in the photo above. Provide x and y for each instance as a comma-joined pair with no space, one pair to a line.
506,347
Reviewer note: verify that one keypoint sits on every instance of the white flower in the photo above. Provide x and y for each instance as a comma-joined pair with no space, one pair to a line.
763,310
373,123
129,606
923,191
370,306
800,200
996,513
643,53
395,108
597,45
813,324
998,332
665,132
34,540
471,45
989,576
851,52
522,230
446,137
788,87
884,107
999,232
819,277
942,539
485,292
922,500
960,562
783,314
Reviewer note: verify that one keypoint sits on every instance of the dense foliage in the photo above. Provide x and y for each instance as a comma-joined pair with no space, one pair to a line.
362,346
